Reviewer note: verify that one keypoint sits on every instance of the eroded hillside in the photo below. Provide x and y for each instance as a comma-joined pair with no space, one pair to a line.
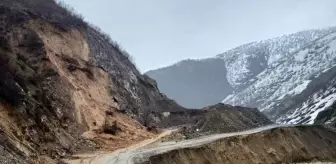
302,144
66,87
51,94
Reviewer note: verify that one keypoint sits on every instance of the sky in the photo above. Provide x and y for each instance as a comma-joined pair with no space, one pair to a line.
159,33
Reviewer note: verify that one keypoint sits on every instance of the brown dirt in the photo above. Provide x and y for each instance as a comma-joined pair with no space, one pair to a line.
67,83
90,88
60,101
98,157
281,145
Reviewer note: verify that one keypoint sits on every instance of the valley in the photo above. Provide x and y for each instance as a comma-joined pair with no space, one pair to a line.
290,78
71,94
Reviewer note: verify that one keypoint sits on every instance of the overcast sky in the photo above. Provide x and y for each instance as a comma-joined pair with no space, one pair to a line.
158,33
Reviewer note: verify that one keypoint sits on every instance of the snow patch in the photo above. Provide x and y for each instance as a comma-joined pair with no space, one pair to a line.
300,57
332,47
309,110
300,88
274,58
292,60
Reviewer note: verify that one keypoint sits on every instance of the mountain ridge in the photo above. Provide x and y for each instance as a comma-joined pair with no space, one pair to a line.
262,72
66,87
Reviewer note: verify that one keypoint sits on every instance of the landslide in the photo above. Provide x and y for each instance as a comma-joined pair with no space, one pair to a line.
67,87
53,99
281,145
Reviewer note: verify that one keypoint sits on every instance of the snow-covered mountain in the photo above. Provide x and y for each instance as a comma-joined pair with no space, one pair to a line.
293,62
290,78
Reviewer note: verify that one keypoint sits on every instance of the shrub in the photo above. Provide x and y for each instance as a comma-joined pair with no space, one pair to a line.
61,15
57,13
116,46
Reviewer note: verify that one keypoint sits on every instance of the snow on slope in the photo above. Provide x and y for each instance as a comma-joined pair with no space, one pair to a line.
247,61
291,62
307,113
271,75
319,95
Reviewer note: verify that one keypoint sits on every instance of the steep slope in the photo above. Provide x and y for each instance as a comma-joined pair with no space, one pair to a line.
244,63
65,84
274,90
319,95
51,94
67,87
194,83
277,76
327,116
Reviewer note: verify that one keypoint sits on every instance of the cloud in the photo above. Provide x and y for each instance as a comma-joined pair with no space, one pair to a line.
161,32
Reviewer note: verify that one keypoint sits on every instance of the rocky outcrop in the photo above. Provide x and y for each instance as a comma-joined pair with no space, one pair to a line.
281,145
327,116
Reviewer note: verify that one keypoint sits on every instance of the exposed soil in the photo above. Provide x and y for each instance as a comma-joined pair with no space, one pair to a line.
53,100
280,145
66,88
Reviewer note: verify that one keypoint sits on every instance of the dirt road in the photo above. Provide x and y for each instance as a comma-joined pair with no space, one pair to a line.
105,157
145,149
